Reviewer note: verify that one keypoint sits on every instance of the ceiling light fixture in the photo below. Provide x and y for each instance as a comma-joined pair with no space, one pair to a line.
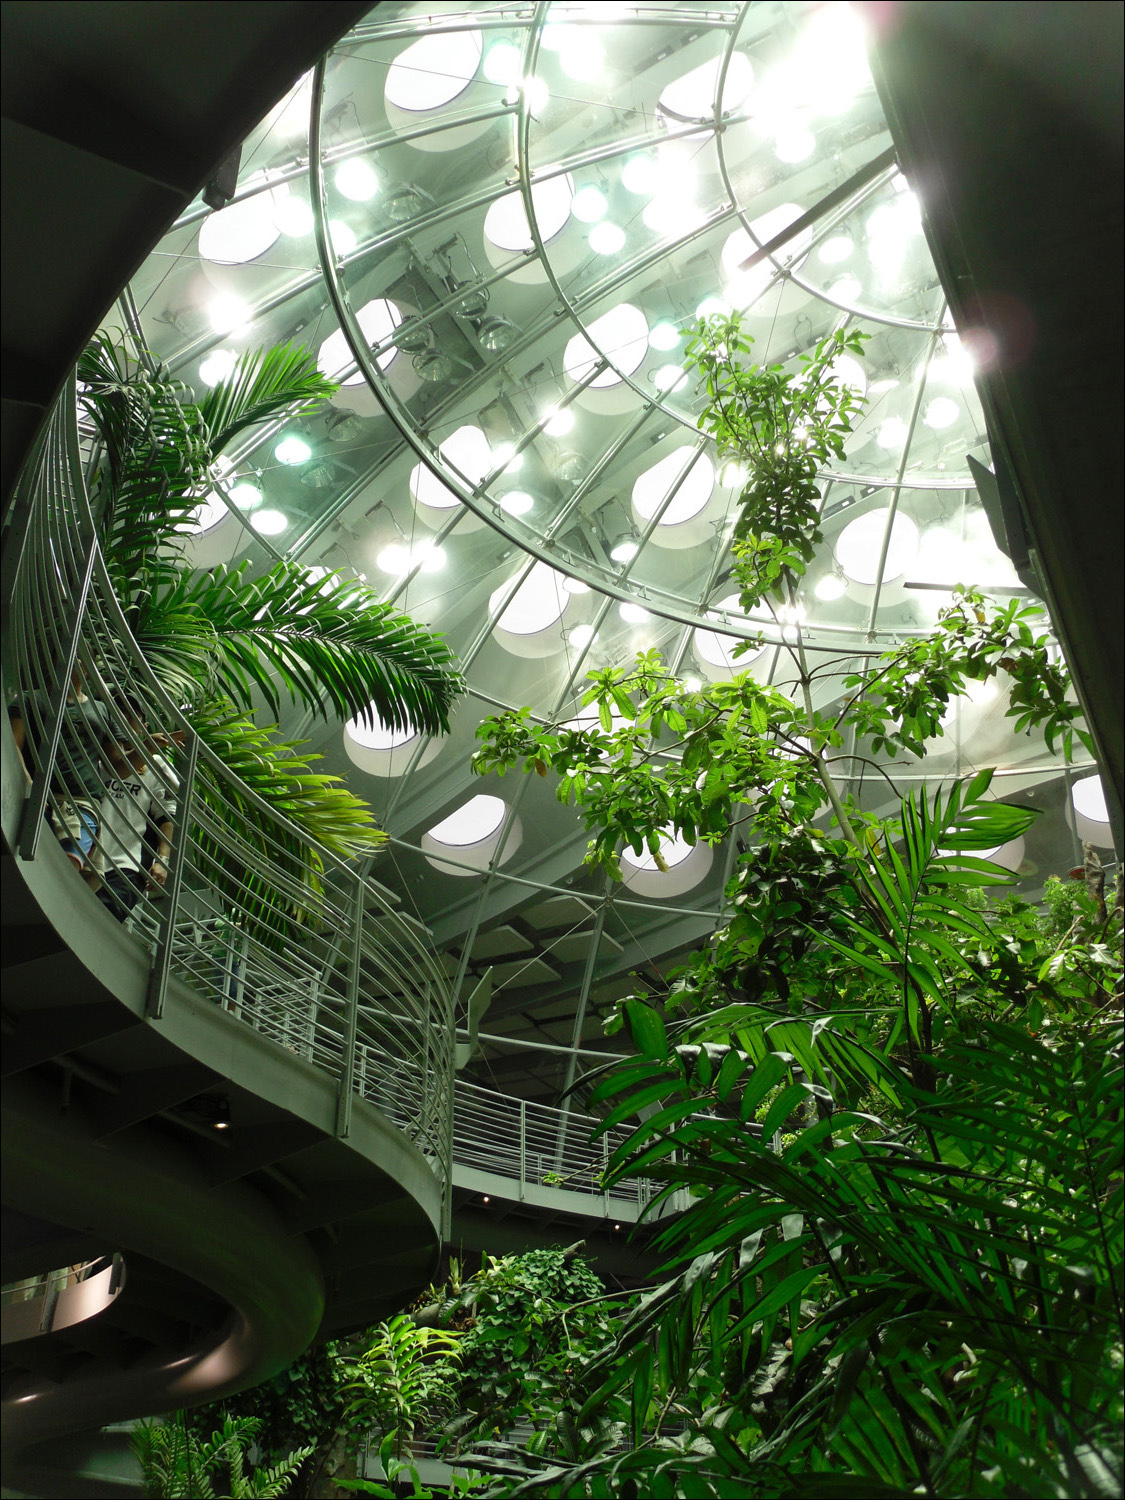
497,334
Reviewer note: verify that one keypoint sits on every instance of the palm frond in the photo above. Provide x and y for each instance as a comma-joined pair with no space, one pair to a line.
271,878
331,645
263,383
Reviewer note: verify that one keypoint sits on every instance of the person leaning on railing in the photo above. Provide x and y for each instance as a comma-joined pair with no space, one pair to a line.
77,783
139,791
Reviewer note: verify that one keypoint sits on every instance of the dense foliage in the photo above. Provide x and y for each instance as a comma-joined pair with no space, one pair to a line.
893,1092
220,639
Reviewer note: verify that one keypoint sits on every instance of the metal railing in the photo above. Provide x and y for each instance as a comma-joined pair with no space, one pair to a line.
226,894
535,1146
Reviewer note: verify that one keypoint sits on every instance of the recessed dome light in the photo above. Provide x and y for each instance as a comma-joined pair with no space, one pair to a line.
379,736
505,223
606,238
625,550
516,503
291,214
433,71
589,205
641,176
836,249
692,96
664,336
292,450
377,320
356,179
633,614
674,849
716,648
581,636
941,413
217,366
269,522
575,586
207,516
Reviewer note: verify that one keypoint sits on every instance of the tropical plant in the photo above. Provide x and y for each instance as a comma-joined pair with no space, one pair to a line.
219,640
302,1407
404,1381
176,1462
893,1095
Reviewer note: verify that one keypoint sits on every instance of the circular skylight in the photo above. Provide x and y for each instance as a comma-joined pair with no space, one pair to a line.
652,487
433,71
621,335
207,516
1089,812
467,451
506,225
240,232
860,544
717,649
475,820
377,319
673,850
379,736
692,96
536,604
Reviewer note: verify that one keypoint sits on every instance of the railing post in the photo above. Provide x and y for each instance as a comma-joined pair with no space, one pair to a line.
181,837
523,1147
35,808
605,1168
351,1017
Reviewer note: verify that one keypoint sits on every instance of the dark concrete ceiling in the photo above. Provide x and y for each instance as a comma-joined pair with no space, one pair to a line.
115,114
1008,123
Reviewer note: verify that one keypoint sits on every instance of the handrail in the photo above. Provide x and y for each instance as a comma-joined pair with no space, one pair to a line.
534,1146
308,964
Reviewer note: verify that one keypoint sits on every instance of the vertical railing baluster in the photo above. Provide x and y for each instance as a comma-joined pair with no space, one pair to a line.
351,1017
35,808
523,1147
181,837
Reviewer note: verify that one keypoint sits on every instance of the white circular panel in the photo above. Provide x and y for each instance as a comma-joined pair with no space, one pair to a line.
239,233
859,545
693,494
622,333
536,604
692,96
434,71
1089,813
506,225
377,320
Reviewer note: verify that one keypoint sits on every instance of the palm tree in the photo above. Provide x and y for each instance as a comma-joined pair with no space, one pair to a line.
217,639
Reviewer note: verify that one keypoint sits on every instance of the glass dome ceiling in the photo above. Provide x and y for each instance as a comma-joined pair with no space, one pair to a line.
494,224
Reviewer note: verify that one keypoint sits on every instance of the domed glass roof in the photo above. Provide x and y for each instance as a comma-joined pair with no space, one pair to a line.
494,226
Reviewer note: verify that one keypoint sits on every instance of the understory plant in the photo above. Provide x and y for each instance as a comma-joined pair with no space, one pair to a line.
892,1091
177,1463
